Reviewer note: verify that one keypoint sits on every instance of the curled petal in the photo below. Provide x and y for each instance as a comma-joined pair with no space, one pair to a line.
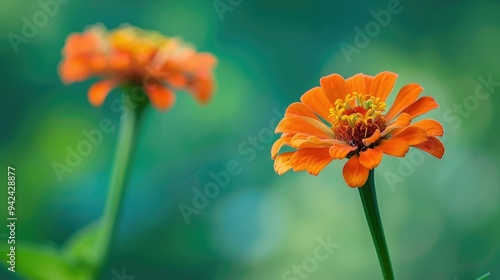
372,139
394,146
282,163
401,121
161,97
382,84
279,144
98,91
432,146
423,105
412,135
355,174
432,127
370,158
406,96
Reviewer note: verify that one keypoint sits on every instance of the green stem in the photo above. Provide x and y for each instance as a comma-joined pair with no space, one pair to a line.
370,205
123,151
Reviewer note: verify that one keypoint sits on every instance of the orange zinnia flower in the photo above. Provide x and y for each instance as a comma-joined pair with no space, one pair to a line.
131,56
348,119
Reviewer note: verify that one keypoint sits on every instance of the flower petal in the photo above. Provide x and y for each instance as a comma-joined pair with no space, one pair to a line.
432,127
394,146
334,87
312,159
300,141
421,106
340,151
357,84
355,174
202,87
98,91
382,84
279,144
368,83
317,163
370,158
282,163
406,96
316,99
412,135
161,97
433,146
402,121
300,109
372,139
304,125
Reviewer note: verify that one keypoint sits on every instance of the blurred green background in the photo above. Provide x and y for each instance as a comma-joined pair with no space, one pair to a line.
441,217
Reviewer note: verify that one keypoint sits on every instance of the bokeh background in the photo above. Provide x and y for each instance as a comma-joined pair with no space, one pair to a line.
441,217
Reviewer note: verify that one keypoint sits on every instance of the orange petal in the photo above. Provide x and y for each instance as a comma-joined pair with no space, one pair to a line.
202,87
300,109
74,70
278,145
161,97
406,96
372,139
368,83
304,125
382,84
355,174
421,106
402,121
98,91
412,135
370,158
282,163
300,141
394,146
334,87
340,151
305,159
317,163
357,84
316,99
433,146
432,127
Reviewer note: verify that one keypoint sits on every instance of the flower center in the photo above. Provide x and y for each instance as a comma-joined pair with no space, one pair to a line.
357,117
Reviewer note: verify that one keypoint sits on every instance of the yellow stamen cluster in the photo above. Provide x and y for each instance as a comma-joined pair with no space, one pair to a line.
357,117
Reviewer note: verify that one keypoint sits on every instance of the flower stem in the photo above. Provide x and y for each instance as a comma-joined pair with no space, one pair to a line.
123,151
370,205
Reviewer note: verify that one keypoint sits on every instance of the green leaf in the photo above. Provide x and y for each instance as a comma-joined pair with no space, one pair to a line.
45,263
80,247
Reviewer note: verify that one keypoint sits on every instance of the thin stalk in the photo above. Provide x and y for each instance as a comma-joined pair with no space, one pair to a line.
370,206
125,143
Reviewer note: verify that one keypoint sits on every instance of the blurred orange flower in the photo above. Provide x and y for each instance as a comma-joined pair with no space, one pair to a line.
348,119
132,56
